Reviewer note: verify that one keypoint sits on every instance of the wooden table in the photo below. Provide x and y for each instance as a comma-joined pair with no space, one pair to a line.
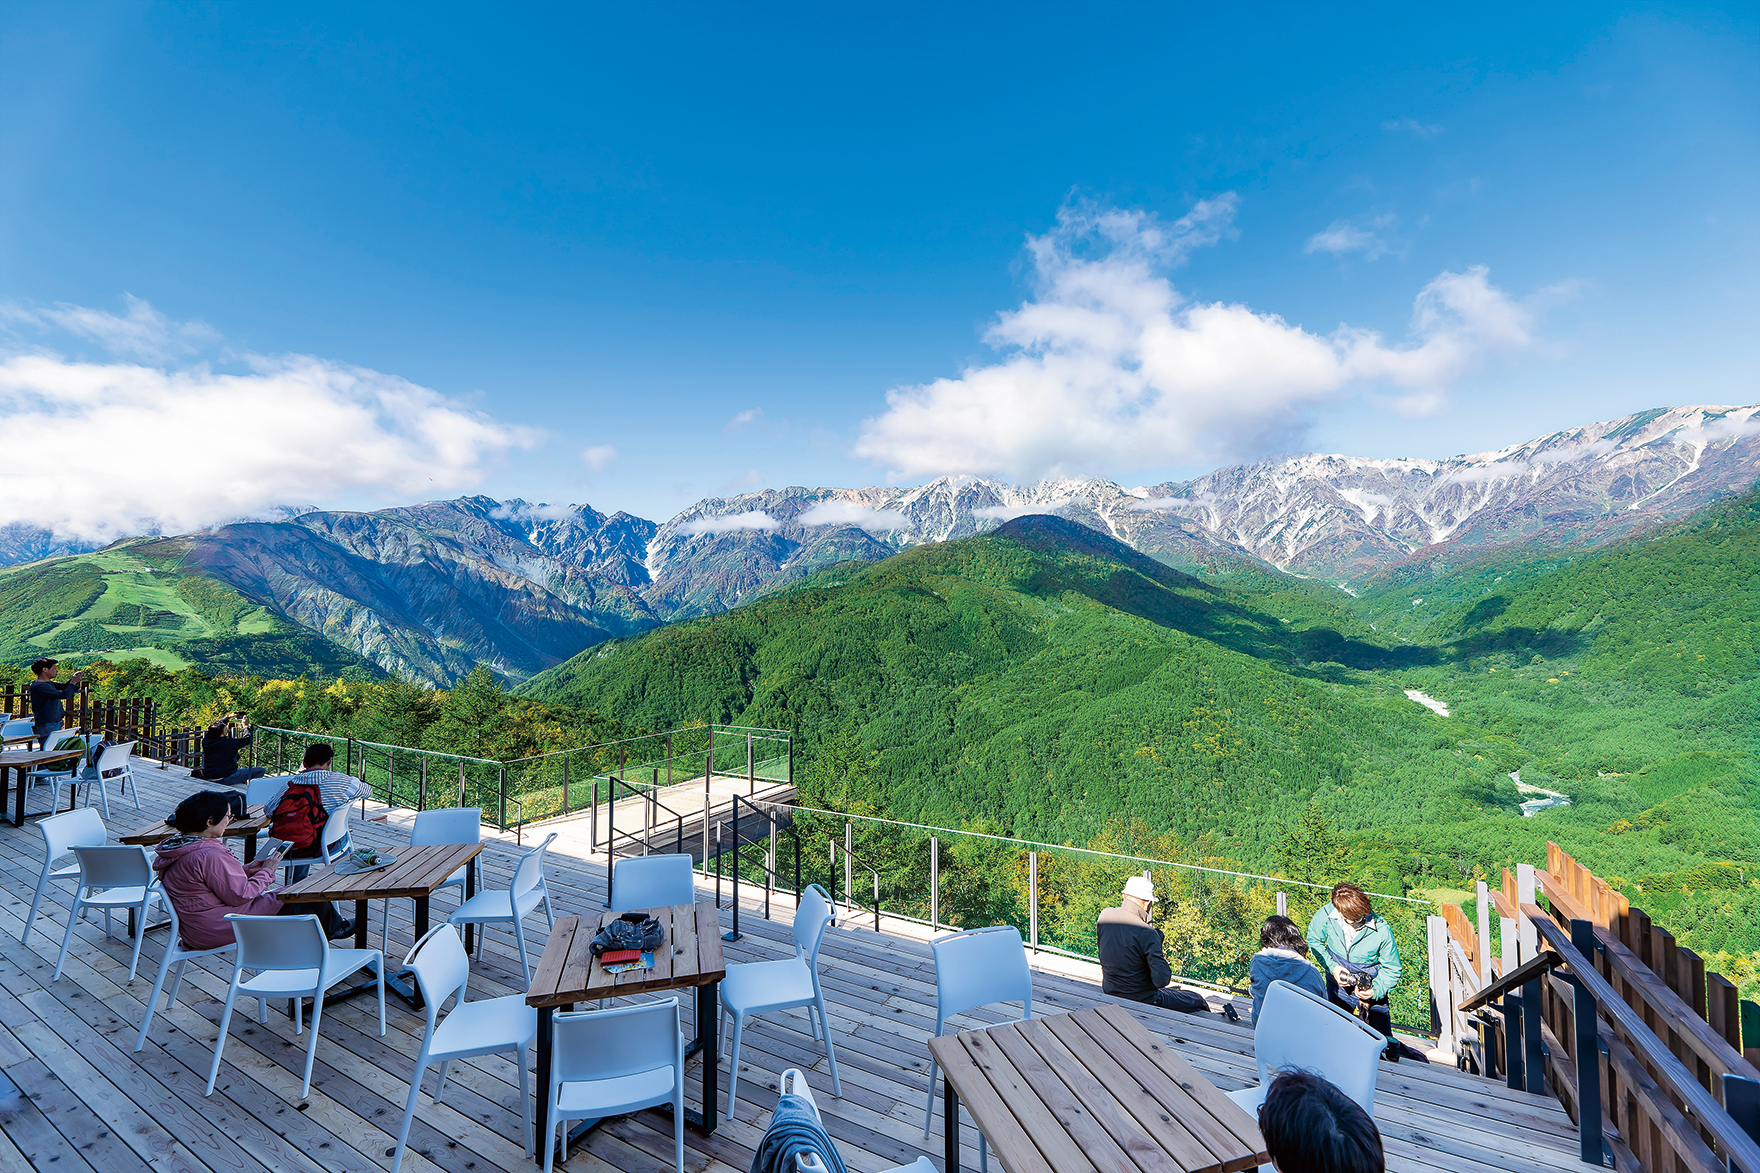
417,872
1090,1092
569,973
253,824
21,763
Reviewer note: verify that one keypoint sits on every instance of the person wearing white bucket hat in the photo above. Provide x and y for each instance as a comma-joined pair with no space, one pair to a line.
1133,954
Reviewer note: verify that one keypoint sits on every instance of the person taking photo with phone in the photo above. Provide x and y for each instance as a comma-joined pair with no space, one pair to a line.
48,699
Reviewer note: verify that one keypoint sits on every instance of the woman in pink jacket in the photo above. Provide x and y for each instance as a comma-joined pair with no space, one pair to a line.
204,880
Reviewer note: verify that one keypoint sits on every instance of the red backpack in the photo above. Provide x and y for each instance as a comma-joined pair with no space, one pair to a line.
299,817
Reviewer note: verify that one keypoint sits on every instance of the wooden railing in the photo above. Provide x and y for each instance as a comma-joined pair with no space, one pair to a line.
130,718
1590,1000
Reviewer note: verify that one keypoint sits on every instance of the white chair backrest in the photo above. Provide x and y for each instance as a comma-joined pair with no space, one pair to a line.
114,760
441,967
114,867
279,942
67,739
21,727
625,1040
811,918
336,826
78,828
979,967
652,881
531,867
258,789
1298,1030
464,825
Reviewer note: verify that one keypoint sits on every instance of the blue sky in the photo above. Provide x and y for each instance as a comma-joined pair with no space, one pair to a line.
703,243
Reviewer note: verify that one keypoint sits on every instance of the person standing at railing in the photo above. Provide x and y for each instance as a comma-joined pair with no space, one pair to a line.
48,698
1357,950
220,753
1133,955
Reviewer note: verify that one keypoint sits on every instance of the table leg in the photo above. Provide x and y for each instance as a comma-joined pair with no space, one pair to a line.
542,1133
18,799
709,1038
470,889
950,1128
360,924
403,983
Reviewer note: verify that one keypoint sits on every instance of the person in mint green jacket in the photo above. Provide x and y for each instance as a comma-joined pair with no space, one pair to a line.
1357,950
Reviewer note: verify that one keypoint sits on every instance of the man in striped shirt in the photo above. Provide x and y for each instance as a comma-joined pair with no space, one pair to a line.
334,790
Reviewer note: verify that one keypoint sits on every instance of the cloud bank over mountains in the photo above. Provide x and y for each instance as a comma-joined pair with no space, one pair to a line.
1109,366
153,439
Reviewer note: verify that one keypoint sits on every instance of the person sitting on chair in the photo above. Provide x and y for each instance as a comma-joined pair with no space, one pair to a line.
1310,1126
1133,955
220,753
204,881
1282,956
312,795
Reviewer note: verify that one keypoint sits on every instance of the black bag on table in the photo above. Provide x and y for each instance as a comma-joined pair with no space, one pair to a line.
632,930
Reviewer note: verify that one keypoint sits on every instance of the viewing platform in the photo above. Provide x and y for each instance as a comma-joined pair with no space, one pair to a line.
74,1096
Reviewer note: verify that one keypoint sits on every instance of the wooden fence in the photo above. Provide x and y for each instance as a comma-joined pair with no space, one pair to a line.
136,719
1591,1001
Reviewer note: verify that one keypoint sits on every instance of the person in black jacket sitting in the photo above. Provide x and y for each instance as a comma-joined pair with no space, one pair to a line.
1133,960
220,754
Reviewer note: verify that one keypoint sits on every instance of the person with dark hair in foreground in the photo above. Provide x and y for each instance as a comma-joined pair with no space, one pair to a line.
1311,1127
204,881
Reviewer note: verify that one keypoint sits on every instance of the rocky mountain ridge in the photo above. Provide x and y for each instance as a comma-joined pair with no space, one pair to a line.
429,590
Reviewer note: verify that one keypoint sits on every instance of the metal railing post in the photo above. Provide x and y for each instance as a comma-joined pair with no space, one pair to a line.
770,866
593,821
647,822
565,784
669,759
503,773
1586,1048
1033,898
708,772
849,855
1482,898
422,784
751,768
797,864
390,777
934,884
717,865
1283,904
876,902
461,784
734,934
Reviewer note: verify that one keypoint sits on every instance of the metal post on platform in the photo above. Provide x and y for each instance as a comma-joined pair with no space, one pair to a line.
461,784
422,785
1482,898
751,768
1033,899
281,756
565,784
708,773
934,884
390,777
770,866
733,934
1513,1052
503,774
849,862
669,759
717,865
1283,904
1586,1049
796,836
647,822
593,821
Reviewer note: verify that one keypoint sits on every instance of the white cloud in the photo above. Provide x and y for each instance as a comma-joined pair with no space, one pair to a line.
179,447
835,512
526,511
1109,367
598,456
1342,236
749,415
1158,503
144,333
1421,129
751,519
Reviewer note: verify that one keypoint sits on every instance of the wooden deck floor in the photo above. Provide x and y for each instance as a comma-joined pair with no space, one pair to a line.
75,1097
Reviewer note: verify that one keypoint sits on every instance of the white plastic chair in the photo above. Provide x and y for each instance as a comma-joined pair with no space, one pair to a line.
59,771
113,763
292,960
332,844
180,955
651,881
61,834
512,905
1298,1030
112,878
794,1083
974,969
19,727
462,825
613,1062
759,987
485,1027
258,789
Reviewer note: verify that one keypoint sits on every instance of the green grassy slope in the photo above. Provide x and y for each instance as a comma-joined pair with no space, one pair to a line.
125,602
1045,680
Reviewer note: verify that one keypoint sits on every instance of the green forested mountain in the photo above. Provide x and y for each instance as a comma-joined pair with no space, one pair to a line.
1044,680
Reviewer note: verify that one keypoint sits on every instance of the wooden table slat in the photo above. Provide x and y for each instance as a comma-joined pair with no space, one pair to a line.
1143,1093
1094,1090
582,978
425,871
1224,1110
550,964
711,962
